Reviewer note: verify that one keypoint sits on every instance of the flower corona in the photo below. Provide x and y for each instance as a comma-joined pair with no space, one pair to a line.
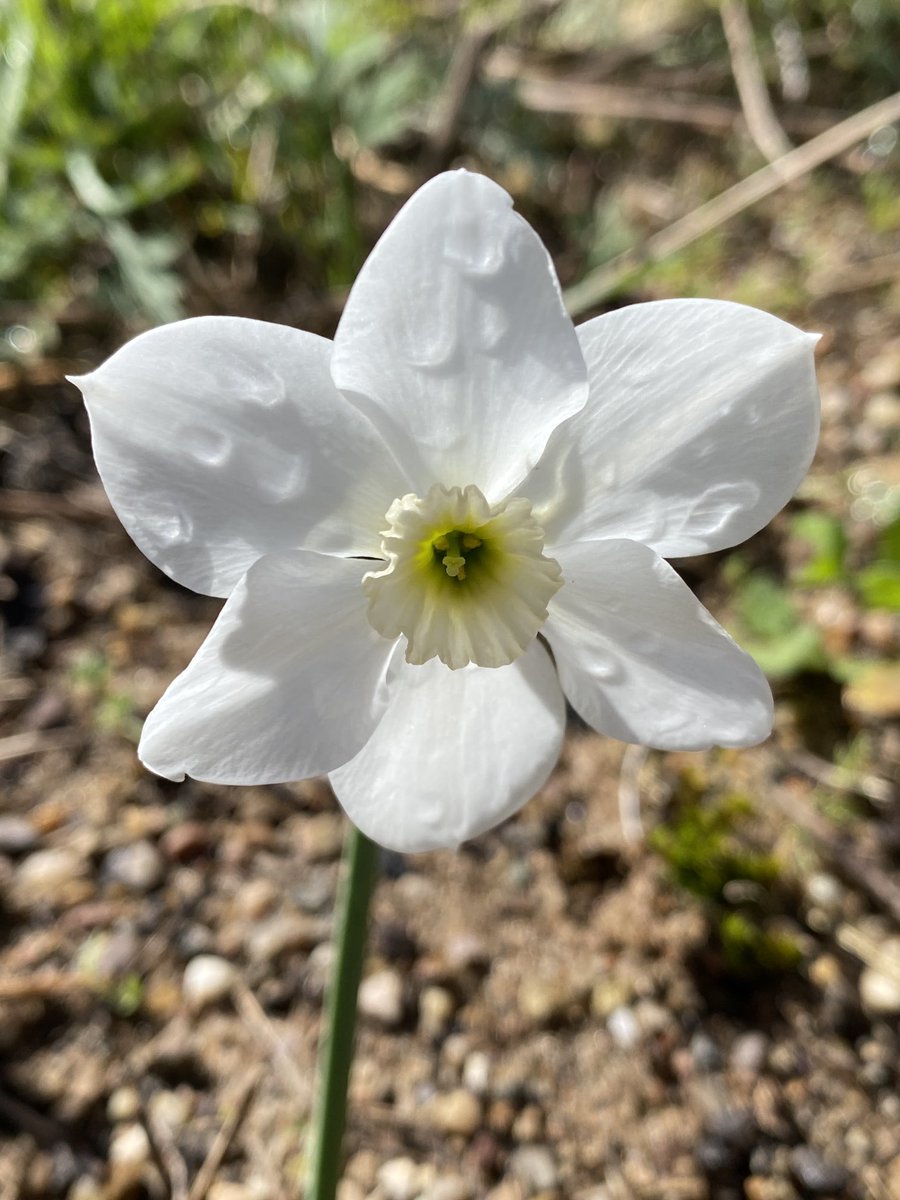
466,582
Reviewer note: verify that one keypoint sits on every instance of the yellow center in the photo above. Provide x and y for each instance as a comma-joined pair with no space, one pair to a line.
466,581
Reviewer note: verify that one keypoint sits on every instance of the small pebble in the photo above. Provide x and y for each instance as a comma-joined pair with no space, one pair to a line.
608,995
436,1009
381,998
882,371
398,1179
651,1017
185,842
321,836
129,1144
17,835
825,892
826,973
319,965
454,1112
349,1189
476,1072
623,1028
535,1168
466,951
281,934
228,1189
48,876
255,898
705,1053
749,1052
138,867
449,1187
878,990
123,1104
172,1108
529,1124
207,980
543,1001
814,1173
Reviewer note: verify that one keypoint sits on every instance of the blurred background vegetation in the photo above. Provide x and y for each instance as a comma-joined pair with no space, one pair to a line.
160,158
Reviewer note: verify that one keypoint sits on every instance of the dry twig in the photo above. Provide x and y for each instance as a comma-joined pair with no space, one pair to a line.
630,793
253,1013
205,1177
844,859
41,984
86,505
762,123
166,1156
37,741
596,286
444,125
873,787
712,114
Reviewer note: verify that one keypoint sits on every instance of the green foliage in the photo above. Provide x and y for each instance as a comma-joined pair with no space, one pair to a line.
122,991
769,625
827,541
710,858
879,583
112,711
704,852
749,946
127,131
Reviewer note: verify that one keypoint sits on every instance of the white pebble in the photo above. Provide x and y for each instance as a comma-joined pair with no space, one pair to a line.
207,980
129,1144
381,998
623,1028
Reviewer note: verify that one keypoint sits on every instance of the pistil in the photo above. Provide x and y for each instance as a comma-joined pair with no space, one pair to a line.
454,542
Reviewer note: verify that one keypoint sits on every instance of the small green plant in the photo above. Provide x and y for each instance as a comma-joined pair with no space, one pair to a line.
769,625
112,710
122,991
711,860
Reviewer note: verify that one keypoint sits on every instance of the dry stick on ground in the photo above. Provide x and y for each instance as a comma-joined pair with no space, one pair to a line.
42,985
205,1177
38,741
712,114
258,1022
751,85
164,1152
840,779
633,761
88,505
855,277
600,283
845,860
449,108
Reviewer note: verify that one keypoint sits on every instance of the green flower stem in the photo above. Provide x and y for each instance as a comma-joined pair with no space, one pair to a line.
336,1041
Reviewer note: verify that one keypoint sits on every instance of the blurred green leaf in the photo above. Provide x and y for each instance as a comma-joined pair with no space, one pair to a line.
827,541
769,626
879,586
17,51
889,543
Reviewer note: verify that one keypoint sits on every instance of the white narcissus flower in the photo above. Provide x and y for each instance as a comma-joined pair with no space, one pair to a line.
408,520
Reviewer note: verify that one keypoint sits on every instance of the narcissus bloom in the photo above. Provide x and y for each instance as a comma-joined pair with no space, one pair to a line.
432,529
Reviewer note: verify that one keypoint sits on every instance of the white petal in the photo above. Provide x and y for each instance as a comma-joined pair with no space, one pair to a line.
289,683
455,340
640,658
221,439
456,753
702,419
